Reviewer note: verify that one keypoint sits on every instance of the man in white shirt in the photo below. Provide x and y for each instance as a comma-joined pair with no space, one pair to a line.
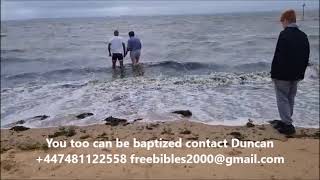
117,49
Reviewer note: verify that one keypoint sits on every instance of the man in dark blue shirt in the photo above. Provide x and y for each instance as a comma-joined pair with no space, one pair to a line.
134,46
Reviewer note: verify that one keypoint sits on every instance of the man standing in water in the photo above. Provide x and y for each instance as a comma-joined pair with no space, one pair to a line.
289,64
134,46
116,47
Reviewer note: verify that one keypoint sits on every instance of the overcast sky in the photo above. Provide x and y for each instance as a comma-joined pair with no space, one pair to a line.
29,9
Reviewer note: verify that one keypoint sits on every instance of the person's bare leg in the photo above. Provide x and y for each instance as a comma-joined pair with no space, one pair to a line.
114,64
138,66
134,69
134,61
121,64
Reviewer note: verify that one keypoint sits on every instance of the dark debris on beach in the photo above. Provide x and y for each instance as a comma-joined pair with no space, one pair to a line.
115,121
185,113
19,128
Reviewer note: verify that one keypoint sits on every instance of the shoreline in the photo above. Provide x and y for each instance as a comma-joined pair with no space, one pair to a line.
176,116
19,149
9,126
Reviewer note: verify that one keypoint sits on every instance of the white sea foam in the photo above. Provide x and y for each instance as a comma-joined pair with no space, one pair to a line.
218,98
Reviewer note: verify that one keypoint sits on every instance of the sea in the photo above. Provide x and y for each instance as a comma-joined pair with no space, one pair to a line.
210,57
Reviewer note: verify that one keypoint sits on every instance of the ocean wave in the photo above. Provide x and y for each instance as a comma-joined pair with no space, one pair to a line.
13,50
15,59
169,68
209,67
22,75
186,65
55,73
253,67
313,36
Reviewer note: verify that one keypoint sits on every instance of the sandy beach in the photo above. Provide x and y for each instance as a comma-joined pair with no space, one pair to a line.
20,149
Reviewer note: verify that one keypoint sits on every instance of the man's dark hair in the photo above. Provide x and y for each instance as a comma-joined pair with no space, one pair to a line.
131,33
116,33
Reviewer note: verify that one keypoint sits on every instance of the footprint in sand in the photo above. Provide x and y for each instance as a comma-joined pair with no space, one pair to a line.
8,165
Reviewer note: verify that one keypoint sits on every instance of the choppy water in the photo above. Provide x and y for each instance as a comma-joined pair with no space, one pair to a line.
215,65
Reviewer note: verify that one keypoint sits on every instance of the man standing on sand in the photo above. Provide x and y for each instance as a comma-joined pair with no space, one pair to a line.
134,46
116,47
289,64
